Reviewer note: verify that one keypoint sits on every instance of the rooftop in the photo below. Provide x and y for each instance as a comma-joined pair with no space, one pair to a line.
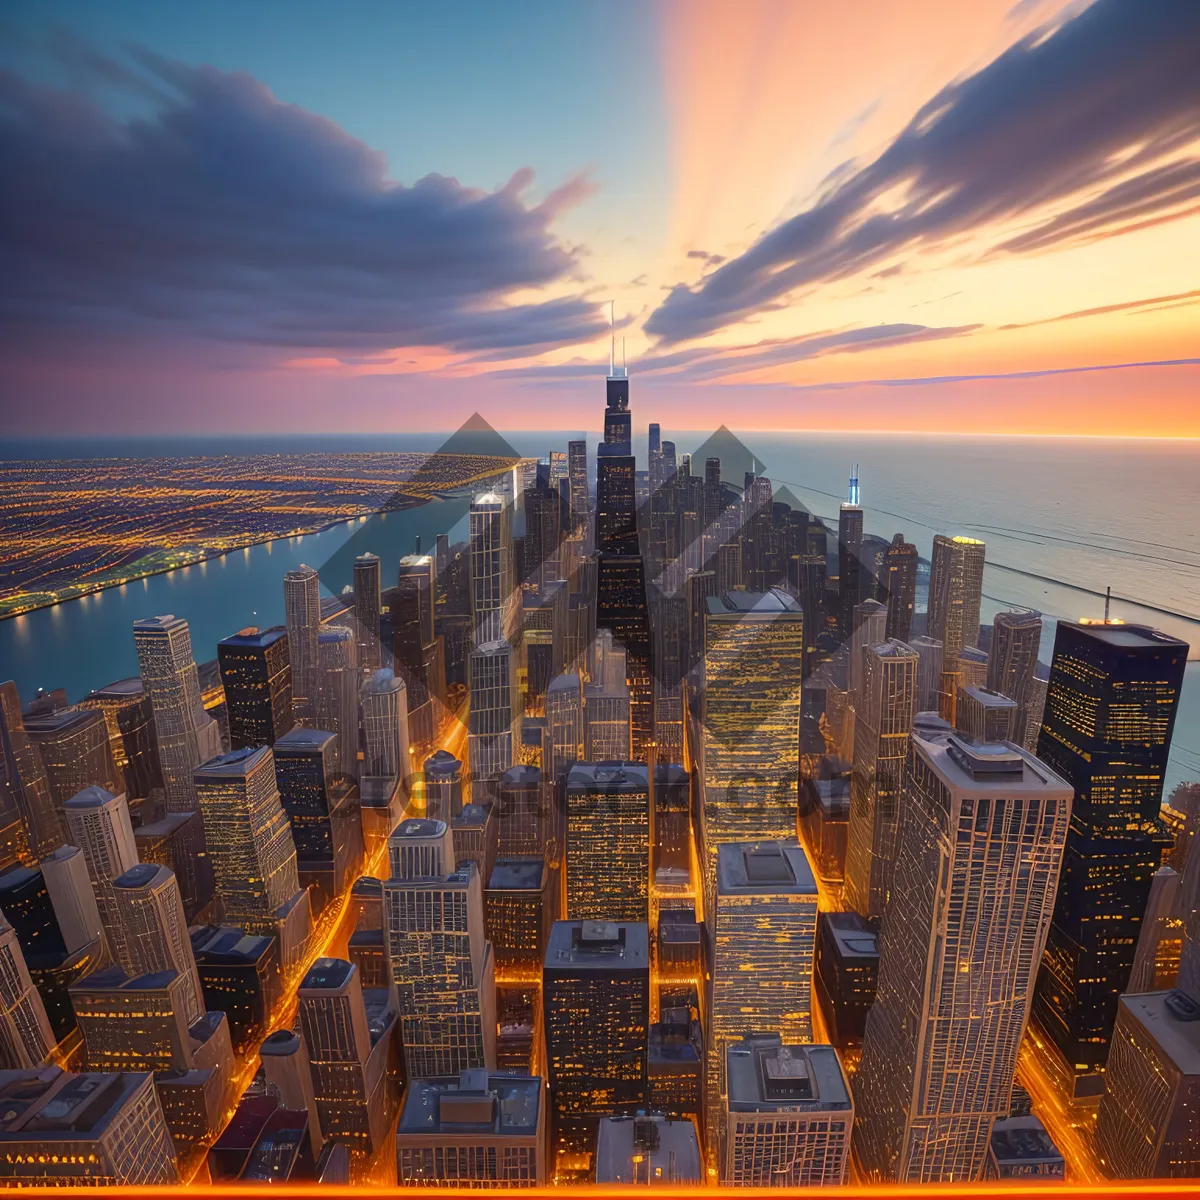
976,769
418,829
90,797
603,945
1129,637
770,603
563,683
139,875
517,875
228,944
383,682
609,777
302,739
377,791
647,1149
765,1075
257,638
764,868
235,764
471,815
442,762
1178,1040
853,937
521,776
1023,1140
475,1101
119,689
47,1100
327,974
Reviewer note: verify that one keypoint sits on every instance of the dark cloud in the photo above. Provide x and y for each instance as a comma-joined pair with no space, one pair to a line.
1093,109
712,260
700,363
223,213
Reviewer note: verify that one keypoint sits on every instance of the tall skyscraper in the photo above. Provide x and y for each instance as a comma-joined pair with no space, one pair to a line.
788,1115
980,842
437,948
1109,715
98,823
955,593
543,532
898,586
367,604
131,734
881,741
253,854
608,842
25,1035
29,827
493,725
69,885
495,611
1016,637
187,735
868,628
596,1005
302,605
347,1033
564,715
850,535
154,932
764,929
606,702
338,691
984,715
750,723
257,676
74,749
385,727
577,475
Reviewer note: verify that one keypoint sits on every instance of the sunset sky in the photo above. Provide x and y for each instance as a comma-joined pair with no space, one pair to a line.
841,214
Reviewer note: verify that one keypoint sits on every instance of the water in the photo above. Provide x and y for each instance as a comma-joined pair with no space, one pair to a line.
1063,520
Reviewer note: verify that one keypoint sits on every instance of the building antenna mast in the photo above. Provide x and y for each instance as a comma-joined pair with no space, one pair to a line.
612,332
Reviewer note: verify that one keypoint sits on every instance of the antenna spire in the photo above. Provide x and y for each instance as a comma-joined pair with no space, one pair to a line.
612,333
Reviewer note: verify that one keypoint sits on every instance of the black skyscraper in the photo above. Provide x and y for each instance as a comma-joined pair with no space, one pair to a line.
257,678
1110,711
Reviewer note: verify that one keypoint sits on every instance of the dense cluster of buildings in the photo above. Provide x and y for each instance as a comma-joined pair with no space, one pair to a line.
657,834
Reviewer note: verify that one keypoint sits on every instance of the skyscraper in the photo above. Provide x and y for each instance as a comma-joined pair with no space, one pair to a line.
608,842
578,478
98,823
338,691
898,586
347,1034
868,628
492,721
253,854
850,535
1109,715
984,715
955,593
187,735
596,1003
788,1115
495,611
302,604
25,1035
980,842
441,961
750,723
929,672
69,885
881,742
257,676
564,714
131,734
543,532
443,786
153,931
29,826
367,604
385,727
764,928
74,749
1016,637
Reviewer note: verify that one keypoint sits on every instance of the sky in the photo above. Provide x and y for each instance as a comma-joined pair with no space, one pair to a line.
792,214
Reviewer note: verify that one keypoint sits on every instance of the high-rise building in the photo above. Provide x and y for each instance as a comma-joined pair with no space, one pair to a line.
29,825
287,1070
252,850
596,1001
26,1038
955,593
608,842
764,928
187,735
322,805
524,817
475,1129
74,749
564,715
441,961
348,1033
868,628
850,536
1012,660
883,727
520,908
386,749
984,715
443,786
543,533
749,723
1109,715
95,1129
367,604
898,586
257,676
788,1115
845,971
492,721
176,840
980,842
131,734
302,605
98,823
153,931
929,672
74,902
577,474
650,1150
338,691
495,612
607,718
239,974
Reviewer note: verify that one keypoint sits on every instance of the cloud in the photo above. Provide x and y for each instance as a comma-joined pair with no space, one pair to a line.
1151,303
701,363
1078,131
223,213
712,260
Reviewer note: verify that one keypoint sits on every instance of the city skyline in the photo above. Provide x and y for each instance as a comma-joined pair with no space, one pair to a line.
858,266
